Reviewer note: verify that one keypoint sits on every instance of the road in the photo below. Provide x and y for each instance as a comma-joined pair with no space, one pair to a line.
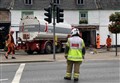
92,71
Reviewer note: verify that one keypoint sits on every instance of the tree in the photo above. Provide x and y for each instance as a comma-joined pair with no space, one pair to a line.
114,27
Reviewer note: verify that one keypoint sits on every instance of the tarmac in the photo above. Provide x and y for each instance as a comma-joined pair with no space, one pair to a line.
91,54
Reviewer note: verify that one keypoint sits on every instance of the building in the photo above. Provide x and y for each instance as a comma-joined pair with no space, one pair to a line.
90,16
5,20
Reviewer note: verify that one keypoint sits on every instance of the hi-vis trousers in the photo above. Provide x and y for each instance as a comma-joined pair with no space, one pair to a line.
70,65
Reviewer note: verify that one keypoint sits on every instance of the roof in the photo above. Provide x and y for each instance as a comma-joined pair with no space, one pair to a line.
37,5
5,4
65,4
110,4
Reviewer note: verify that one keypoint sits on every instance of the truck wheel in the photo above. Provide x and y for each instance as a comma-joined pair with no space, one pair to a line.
59,48
48,48
38,52
29,52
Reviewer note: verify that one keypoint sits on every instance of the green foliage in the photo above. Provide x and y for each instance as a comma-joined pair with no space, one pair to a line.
114,27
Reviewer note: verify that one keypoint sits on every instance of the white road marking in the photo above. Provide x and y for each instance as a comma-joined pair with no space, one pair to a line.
3,80
18,73
7,64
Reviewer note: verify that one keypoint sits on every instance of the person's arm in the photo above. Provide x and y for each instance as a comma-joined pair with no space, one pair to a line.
66,49
83,49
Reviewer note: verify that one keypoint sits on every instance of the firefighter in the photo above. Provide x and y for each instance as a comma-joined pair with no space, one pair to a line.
108,42
98,41
74,53
10,45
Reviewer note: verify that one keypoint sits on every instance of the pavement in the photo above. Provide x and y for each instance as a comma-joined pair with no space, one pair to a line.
91,54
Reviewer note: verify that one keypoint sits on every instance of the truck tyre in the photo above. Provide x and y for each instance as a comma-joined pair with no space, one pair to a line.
38,52
59,48
29,52
48,48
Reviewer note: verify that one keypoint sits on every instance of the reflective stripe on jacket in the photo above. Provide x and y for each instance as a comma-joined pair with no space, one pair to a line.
75,45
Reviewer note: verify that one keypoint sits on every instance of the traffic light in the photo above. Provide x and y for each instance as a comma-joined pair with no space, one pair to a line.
59,14
48,14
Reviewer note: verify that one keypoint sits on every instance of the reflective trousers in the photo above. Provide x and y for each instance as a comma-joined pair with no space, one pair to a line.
70,65
11,49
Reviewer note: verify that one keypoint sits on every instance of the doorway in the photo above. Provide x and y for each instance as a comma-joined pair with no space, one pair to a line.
4,30
89,37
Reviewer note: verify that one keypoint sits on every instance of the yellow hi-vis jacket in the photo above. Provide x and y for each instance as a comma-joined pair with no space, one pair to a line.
75,45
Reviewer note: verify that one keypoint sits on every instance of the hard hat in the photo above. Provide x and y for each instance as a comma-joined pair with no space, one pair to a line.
74,31
108,35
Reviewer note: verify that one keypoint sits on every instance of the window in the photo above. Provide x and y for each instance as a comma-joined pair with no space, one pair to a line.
27,13
28,2
57,1
83,18
83,15
80,2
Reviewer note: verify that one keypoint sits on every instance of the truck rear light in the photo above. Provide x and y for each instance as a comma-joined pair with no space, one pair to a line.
26,36
37,45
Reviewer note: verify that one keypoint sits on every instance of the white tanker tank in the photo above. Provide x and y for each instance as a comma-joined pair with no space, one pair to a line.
37,35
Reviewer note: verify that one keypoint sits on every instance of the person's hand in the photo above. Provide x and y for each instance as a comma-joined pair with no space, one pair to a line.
83,57
65,56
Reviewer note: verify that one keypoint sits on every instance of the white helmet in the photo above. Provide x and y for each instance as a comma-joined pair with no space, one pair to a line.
74,31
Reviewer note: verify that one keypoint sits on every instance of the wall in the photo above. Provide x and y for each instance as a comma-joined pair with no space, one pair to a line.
101,18
72,17
15,20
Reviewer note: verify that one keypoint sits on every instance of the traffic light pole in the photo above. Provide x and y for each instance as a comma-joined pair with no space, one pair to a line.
57,12
53,6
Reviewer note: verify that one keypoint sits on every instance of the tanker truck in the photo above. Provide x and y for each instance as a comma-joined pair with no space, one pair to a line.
37,36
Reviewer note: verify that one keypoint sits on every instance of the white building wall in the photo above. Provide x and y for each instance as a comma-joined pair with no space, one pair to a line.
15,20
93,17
114,39
101,18
104,22
39,14
72,17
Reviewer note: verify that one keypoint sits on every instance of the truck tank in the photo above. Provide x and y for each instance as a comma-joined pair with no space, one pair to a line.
40,33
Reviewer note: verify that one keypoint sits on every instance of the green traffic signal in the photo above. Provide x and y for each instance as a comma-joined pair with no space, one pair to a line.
59,14
48,14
